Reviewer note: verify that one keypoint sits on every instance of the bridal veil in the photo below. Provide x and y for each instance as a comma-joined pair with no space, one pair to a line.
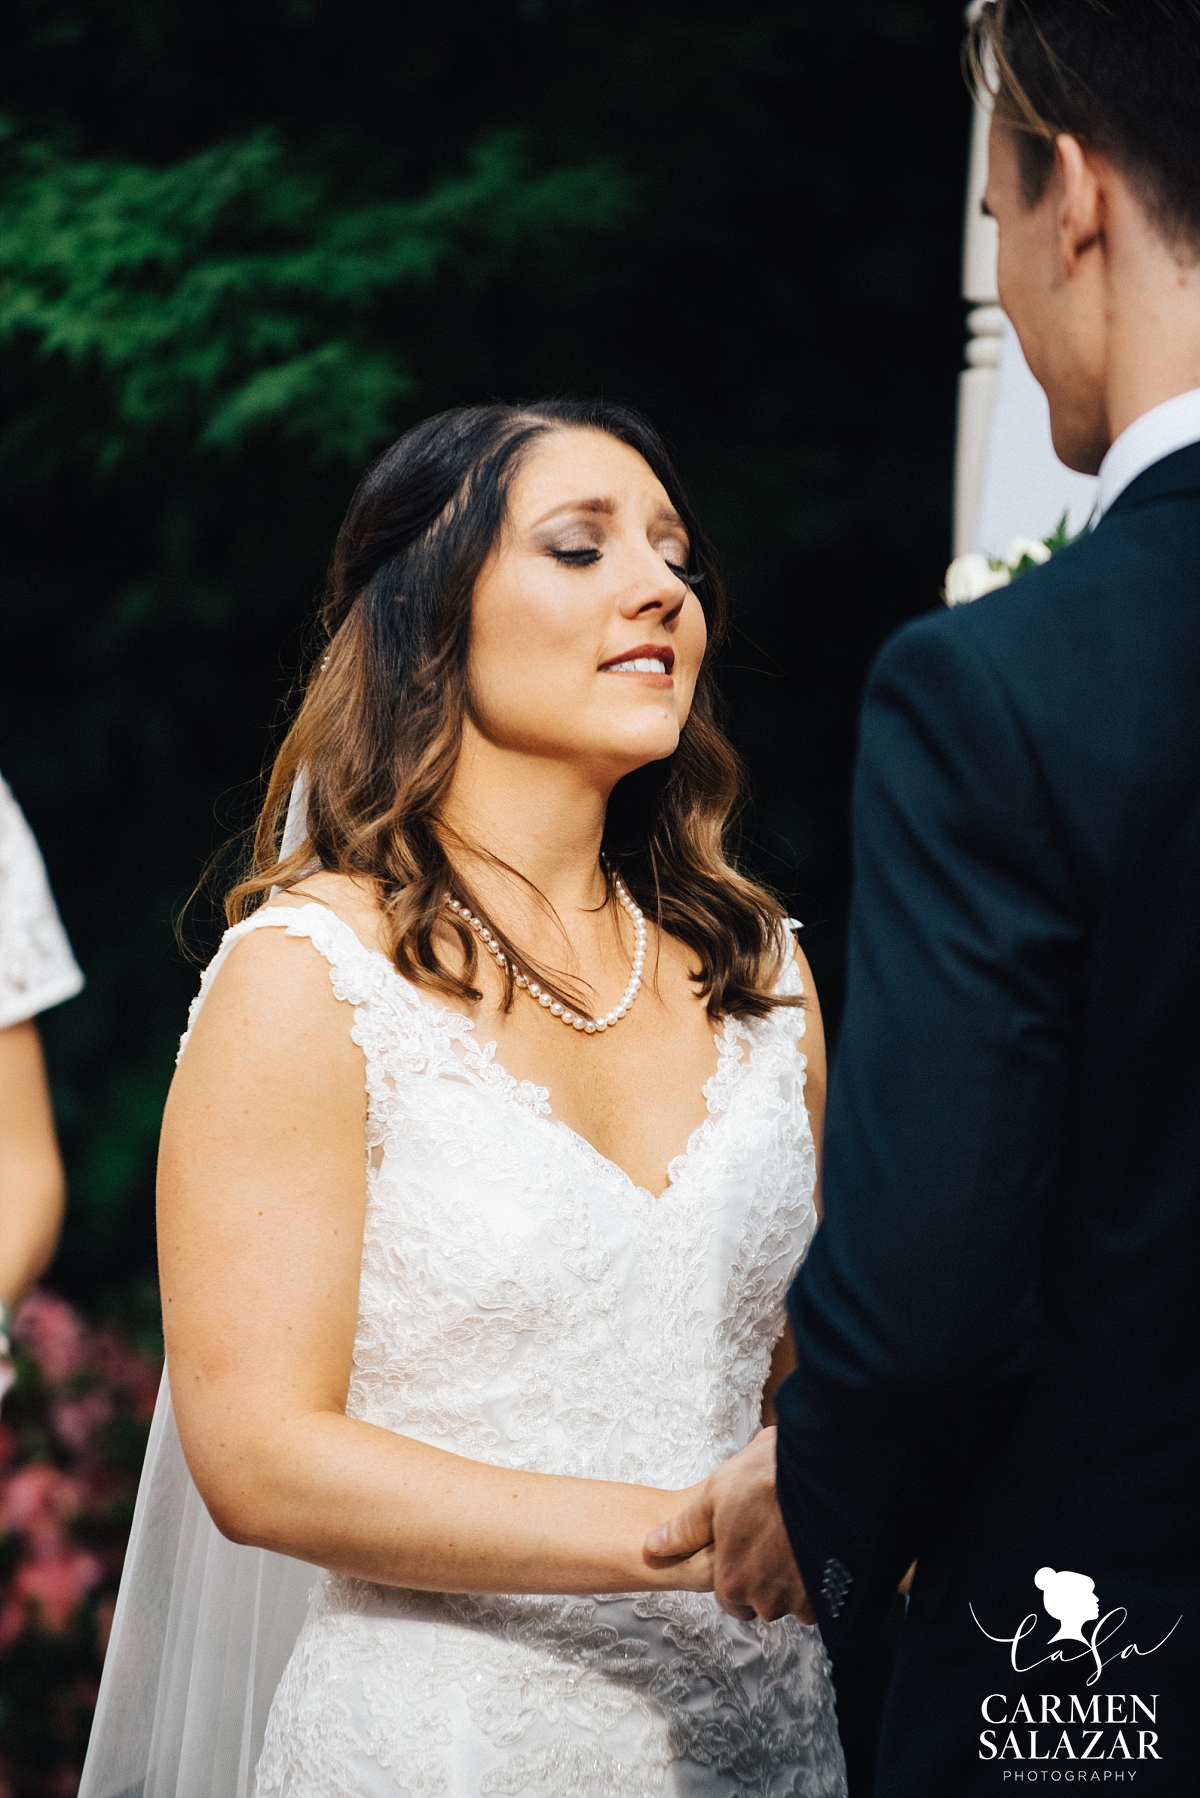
201,1636
203,1628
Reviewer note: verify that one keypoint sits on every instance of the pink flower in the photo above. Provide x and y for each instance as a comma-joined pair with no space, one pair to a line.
49,1331
35,1502
77,1420
52,1588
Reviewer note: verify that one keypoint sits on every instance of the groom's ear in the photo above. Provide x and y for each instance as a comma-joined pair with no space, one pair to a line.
1078,191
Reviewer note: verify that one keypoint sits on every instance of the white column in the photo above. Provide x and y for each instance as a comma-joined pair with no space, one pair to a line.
985,330
1007,479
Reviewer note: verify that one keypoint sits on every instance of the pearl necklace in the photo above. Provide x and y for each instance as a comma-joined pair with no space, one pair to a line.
576,1020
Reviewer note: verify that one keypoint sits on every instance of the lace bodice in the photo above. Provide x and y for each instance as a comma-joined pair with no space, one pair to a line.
37,969
523,1303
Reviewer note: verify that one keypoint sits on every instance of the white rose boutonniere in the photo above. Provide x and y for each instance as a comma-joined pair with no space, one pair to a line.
969,577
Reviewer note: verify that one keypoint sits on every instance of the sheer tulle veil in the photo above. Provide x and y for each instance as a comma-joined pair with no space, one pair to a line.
203,1629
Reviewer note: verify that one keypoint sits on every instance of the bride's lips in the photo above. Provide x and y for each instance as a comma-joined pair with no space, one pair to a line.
657,661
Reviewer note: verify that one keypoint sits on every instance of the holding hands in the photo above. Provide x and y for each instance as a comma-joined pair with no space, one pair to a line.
736,1514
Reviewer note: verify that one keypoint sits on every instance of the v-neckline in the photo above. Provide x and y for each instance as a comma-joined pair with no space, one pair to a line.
681,1162
732,1065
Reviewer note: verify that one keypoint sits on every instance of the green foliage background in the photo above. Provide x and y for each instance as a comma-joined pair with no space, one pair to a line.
242,246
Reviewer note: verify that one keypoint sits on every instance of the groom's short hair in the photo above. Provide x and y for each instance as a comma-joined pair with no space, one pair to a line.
1122,76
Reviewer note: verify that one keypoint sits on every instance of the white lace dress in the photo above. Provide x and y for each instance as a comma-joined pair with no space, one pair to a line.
523,1303
37,969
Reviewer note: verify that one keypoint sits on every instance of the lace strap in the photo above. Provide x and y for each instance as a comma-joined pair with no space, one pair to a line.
349,959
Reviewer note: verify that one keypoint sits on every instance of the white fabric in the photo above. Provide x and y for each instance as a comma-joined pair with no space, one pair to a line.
1160,432
202,1631
522,1303
37,969
295,825
1026,489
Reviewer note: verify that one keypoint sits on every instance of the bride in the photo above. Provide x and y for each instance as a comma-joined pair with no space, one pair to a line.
465,1374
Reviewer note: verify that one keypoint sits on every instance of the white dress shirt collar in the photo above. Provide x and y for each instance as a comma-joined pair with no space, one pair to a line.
1157,433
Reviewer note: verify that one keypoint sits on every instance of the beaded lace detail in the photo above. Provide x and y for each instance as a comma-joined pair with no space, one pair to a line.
522,1302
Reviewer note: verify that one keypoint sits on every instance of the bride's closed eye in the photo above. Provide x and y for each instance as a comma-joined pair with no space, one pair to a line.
587,558
676,553
575,558
690,578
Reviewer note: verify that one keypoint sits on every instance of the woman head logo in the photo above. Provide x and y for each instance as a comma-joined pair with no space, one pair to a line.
1070,1598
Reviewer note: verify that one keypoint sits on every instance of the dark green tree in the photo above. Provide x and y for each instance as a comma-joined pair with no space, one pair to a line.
242,246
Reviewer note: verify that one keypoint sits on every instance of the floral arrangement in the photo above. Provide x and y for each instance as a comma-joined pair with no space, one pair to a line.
974,574
72,1437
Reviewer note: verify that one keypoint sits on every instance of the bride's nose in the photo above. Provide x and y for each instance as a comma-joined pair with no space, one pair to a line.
654,592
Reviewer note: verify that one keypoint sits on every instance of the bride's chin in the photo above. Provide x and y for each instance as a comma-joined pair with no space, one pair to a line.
637,748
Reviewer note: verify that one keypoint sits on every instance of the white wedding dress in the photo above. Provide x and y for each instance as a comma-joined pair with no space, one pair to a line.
524,1304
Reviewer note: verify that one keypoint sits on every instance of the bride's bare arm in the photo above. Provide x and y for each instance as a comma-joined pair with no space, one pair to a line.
262,1197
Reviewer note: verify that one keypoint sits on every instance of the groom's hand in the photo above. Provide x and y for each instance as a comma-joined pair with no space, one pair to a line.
737,1511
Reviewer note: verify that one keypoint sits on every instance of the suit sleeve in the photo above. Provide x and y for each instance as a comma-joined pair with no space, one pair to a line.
917,1313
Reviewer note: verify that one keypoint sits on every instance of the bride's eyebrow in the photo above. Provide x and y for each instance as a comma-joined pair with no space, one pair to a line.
600,507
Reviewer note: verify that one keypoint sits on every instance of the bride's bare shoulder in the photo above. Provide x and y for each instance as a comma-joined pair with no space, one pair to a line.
353,899
273,986
271,1026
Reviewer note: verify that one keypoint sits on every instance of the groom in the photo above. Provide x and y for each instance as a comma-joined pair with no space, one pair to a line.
996,1328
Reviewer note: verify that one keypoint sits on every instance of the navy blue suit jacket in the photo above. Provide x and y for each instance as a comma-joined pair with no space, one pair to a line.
996,1326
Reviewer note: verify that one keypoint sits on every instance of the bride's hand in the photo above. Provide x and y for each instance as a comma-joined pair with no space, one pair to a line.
685,1572
735,1517
690,1573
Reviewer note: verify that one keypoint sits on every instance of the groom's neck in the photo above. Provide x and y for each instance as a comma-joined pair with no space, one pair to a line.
1152,315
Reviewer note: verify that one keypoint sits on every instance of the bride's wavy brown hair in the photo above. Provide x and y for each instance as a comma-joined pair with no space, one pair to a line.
378,732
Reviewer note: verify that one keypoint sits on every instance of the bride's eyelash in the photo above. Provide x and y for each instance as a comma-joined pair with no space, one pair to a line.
587,558
576,558
681,574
